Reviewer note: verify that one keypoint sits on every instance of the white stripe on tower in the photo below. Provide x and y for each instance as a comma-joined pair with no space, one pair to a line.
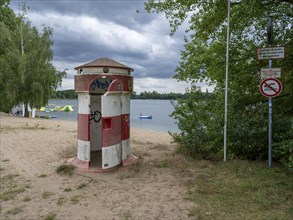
83,132
111,126
125,125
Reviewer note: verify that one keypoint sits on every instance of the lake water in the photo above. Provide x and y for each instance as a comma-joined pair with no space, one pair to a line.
159,109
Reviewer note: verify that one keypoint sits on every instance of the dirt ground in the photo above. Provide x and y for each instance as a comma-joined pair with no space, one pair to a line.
32,149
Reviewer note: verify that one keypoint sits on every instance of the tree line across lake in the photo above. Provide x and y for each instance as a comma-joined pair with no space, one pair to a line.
70,94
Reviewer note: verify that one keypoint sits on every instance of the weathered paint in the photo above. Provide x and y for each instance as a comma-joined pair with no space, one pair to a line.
111,156
125,100
83,103
83,150
83,127
103,112
100,85
125,148
84,81
111,105
111,127
116,86
95,123
125,126
100,70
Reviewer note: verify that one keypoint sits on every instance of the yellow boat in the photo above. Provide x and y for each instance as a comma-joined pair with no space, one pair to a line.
58,108
68,108
42,109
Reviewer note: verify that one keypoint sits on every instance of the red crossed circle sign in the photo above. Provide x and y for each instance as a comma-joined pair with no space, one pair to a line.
270,87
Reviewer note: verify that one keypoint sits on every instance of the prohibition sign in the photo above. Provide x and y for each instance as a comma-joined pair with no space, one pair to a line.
270,87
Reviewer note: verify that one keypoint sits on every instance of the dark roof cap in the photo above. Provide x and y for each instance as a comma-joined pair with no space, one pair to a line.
104,62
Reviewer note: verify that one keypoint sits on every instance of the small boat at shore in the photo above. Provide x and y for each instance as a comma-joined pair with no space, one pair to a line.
46,116
145,117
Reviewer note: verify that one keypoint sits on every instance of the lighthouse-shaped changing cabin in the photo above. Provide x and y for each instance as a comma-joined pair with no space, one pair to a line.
104,87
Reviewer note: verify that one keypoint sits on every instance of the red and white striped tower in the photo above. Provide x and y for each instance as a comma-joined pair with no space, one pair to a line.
104,87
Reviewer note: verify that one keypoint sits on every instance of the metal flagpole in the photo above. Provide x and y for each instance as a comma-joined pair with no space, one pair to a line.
226,83
270,42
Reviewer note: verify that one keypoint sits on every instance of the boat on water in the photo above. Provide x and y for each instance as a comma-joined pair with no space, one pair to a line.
145,117
66,108
57,108
45,109
47,116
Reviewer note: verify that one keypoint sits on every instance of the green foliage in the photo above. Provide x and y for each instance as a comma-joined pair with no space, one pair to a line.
64,94
156,95
200,128
201,120
71,94
27,74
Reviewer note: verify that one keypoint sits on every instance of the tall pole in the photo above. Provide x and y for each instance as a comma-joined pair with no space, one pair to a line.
226,83
270,42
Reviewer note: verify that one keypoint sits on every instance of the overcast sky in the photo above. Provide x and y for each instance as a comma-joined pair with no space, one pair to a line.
85,30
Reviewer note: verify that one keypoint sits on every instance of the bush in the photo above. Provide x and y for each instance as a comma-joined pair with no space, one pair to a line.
201,129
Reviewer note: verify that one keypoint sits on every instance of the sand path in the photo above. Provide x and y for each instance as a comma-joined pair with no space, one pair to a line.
32,149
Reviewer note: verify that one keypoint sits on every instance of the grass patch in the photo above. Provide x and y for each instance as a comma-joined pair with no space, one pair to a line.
127,215
7,128
68,189
162,163
42,176
46,194
74,200
27,199
50,216
81,185
134,170
65,169
14,211
160,147
10,194
33,127
248,190
61,201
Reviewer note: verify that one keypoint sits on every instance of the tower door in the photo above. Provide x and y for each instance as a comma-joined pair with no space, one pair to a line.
111,130
95,123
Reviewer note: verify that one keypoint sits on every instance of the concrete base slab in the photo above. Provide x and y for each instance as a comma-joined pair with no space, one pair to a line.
95,165
131,159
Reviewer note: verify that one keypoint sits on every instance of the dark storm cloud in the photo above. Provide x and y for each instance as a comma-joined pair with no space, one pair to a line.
129,13
121,30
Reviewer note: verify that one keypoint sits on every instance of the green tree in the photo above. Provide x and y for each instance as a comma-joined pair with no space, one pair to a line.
27,73
204,60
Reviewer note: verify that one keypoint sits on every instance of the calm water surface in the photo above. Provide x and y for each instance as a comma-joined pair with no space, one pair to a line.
159,109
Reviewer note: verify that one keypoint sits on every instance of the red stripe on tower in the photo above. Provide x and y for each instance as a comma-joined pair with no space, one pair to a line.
111,130
125,128
83,127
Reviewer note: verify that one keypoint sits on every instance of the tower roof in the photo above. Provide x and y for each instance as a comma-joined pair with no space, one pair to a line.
104,62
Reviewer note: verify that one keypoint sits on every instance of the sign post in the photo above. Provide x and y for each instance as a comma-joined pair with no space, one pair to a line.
270,87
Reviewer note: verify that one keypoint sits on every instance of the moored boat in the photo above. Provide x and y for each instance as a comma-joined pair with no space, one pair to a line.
145,117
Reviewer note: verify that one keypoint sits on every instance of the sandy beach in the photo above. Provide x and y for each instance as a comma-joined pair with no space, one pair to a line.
32,149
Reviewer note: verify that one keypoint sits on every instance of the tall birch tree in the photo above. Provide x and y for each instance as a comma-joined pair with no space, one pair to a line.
27,74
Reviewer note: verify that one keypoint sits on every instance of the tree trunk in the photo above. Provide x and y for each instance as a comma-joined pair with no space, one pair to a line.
26,112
